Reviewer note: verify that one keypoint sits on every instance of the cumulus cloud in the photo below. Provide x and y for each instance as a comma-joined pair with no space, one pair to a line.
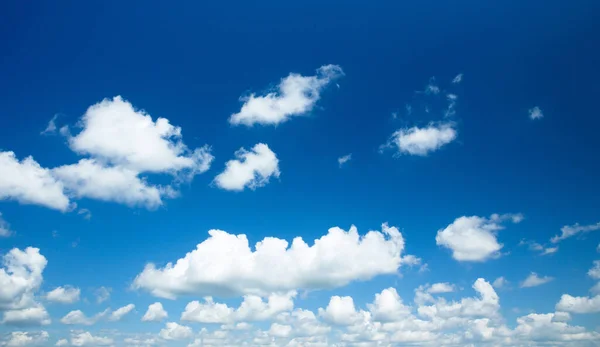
25,338
572,230
533,280
84,339
252,169
594,272
474,238
422,141
77,317
155,313
174,331
64,295
535,113
119,313
294,96
4,227
344,159
340,311
28,316
27,182
224,264
579,304
438,288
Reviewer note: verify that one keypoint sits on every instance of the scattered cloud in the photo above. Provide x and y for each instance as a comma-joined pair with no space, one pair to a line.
533,280
51,127
64,295
335,259
536,247
579,304
251,169
155,313
4,227
294,96
344,159
174,331
500,283
87,214
84,339
102,294
572,230
458,78
77,317
474,238
422,141
26,338
119,313
535,113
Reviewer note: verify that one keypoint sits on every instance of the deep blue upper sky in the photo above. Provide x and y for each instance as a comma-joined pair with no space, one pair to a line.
190,62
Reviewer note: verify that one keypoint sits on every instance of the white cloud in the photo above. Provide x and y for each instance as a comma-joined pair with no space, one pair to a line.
77,317
90,179
34,315
474,238
119,313
294,96
24,338
340,311
102,294
51,127
84,339
28,183
578,304
224,264
280,330
155,313
422,141
458,78
594,272
62,342
113,130
174,331
438,288
572,230
251,169
533,280
536,247
4,227
388,306
535,113
344,159
20,278
64,295
500,282
595,289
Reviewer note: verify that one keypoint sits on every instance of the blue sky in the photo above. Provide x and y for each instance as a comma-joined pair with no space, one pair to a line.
463,134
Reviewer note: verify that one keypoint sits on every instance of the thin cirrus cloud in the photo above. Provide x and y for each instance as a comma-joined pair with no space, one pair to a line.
251,169
568,231
231,267
294,96
474,239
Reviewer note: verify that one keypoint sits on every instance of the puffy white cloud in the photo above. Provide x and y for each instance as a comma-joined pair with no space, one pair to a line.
24,338
102,294
437,288
141,342
62,342
4,227
535,113
550,329
340,311
90,179
121,312
252,308
34,315
174,331
474,238
422,141
113,130
64,295
578,304
83,339
251,169
388,306
77,317
155,313
224,264
294,96
572,230
344,159
533,280
28,183
20,277
280,330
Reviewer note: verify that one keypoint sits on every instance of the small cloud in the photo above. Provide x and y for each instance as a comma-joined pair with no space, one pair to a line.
87,214
500,282
550,250
533,280
457,79
432,87
572,230
4,227
535,113
102,294
343,160
51,127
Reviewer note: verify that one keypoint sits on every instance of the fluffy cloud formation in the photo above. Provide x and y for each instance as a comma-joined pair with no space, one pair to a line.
84,339
155,313
535,113
4,227
23,338
533,280
594,272
572,230
121,312
579,304
251,169
64,295
422,141
474,238
224,264
294,96
77,317
34,315
28,183
174,331
113,130
252,308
